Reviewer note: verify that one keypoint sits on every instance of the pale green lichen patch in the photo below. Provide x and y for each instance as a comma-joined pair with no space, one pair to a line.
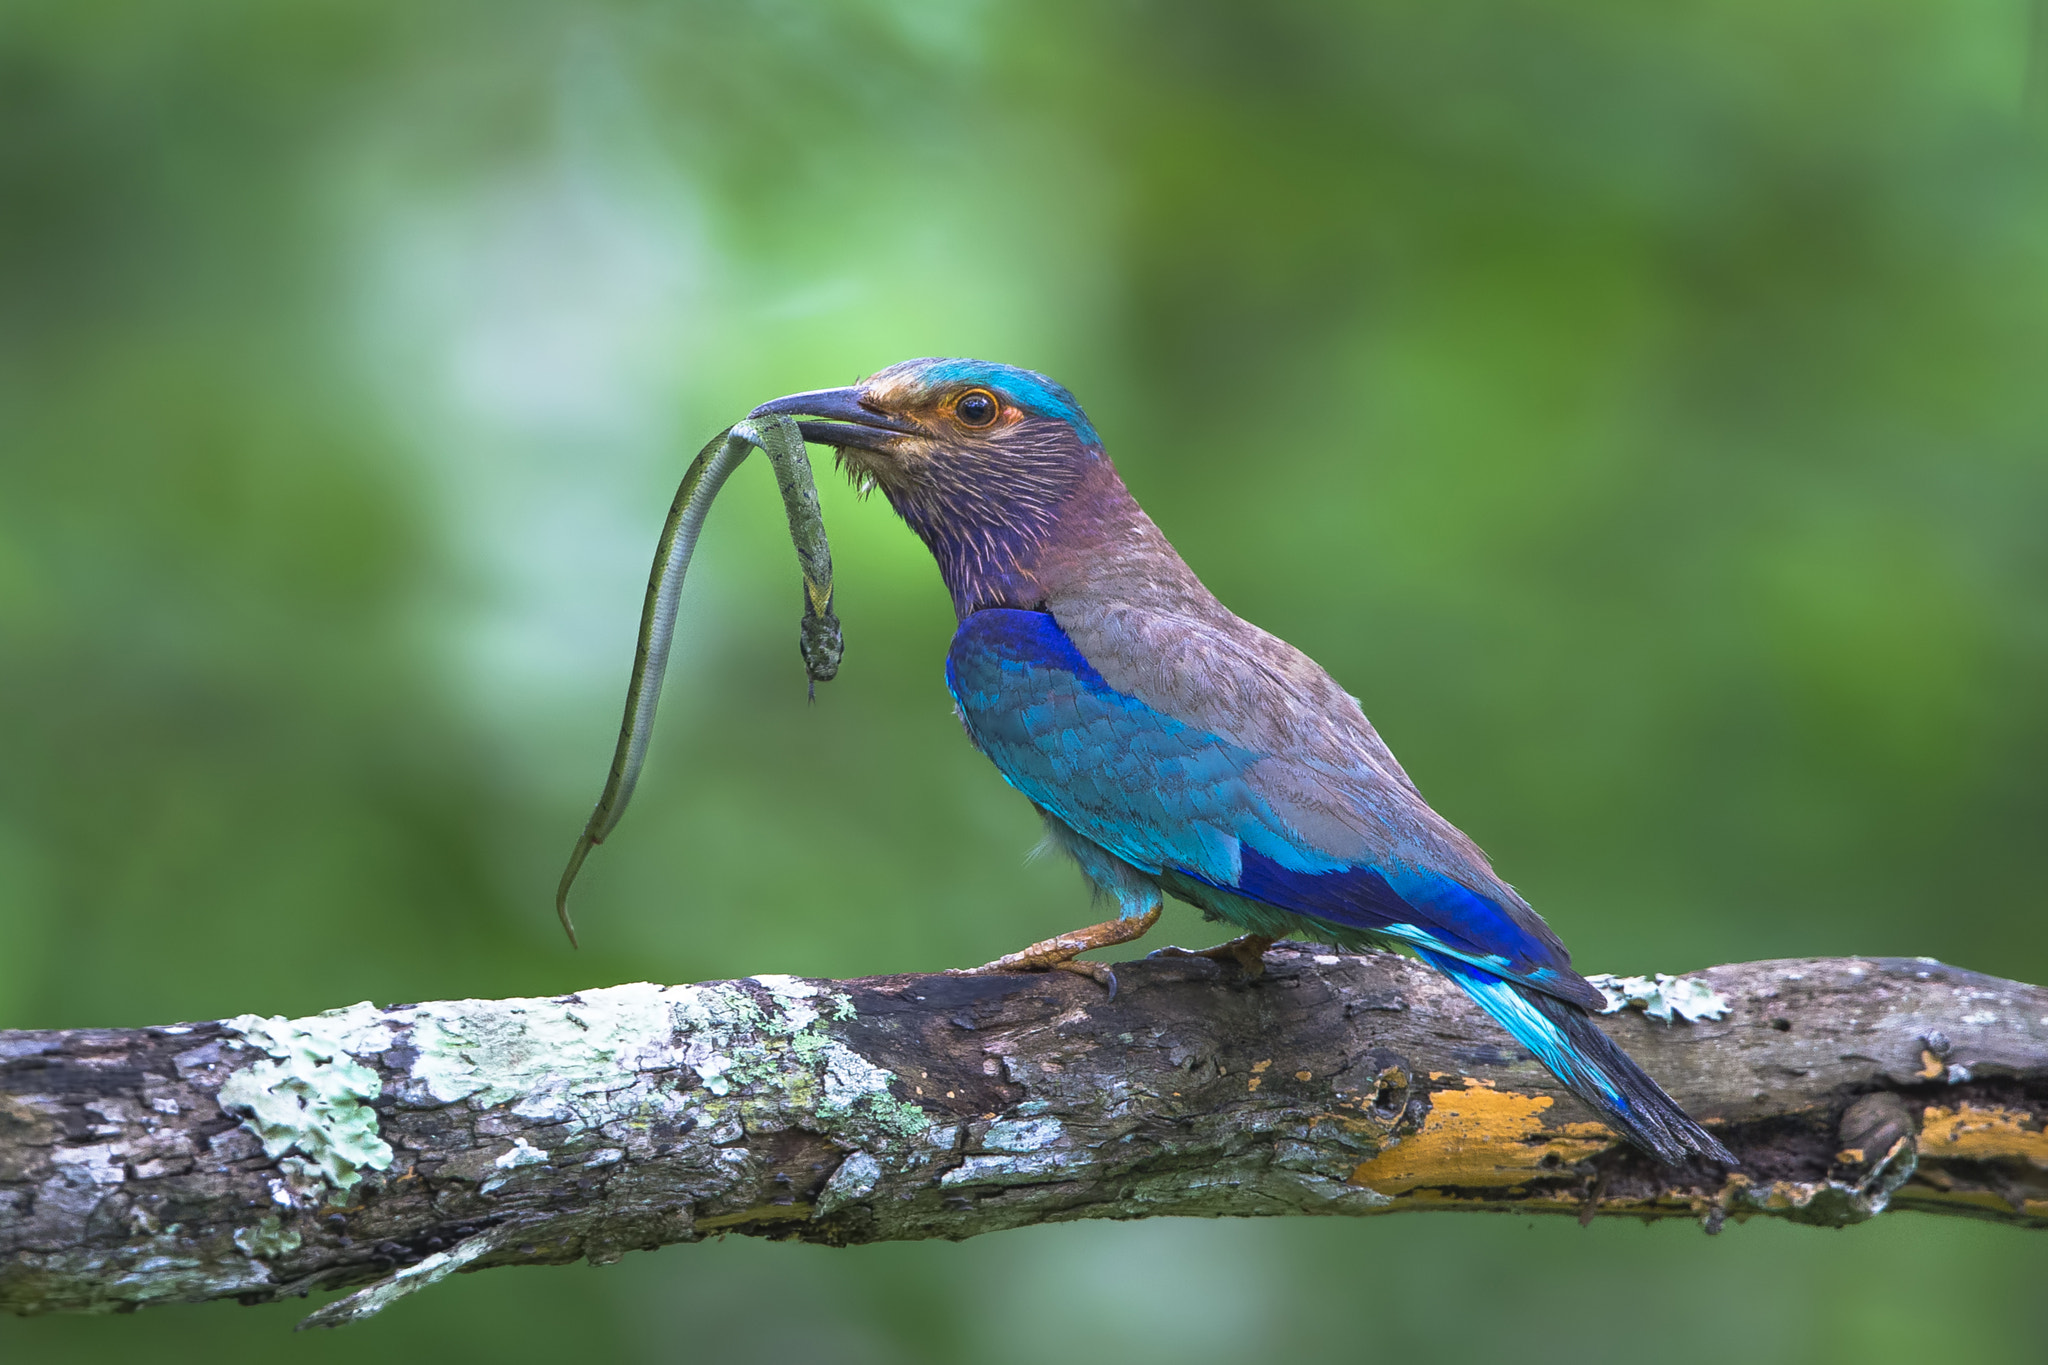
1029,1135
613,1061
786,1055
521,1153
312,1096
763,1045
539,1052
1661,997
267,1239
730,1058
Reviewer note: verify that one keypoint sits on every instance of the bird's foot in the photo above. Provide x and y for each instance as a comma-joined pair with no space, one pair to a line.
1247,951
1059,954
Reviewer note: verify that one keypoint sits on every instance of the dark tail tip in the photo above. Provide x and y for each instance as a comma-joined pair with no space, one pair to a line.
1646,1115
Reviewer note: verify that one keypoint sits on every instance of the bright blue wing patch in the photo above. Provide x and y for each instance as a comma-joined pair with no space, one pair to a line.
1421,907
1151,789
1164,795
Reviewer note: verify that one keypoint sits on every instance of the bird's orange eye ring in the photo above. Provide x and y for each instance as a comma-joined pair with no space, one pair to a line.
977,408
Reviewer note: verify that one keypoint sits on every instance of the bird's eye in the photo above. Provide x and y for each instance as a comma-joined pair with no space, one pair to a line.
976,408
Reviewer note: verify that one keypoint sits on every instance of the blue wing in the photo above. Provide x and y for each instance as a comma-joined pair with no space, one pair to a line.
1171,798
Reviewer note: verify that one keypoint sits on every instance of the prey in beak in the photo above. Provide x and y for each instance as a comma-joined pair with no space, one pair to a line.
842,418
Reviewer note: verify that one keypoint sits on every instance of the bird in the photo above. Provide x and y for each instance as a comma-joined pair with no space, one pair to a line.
1174,749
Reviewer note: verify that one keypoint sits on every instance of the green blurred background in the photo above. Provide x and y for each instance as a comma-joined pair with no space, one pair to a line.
1642,408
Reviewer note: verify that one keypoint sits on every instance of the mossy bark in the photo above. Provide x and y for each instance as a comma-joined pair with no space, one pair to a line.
398,1145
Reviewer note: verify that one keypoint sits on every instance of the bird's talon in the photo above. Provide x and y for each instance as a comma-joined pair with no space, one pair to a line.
1058,954
1247,951
1098,972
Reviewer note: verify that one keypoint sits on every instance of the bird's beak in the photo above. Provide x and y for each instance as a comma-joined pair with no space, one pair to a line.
850,423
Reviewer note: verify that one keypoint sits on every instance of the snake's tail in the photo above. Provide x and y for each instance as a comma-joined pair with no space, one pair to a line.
701,482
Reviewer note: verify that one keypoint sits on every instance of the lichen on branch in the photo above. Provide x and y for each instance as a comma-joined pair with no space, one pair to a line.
262,1158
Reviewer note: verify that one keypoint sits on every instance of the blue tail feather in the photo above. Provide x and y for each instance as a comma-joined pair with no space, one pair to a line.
1567,1041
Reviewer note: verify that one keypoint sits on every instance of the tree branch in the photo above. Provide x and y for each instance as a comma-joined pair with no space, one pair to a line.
262,1158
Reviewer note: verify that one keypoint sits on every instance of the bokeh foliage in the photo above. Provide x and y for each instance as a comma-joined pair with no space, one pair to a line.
1643,409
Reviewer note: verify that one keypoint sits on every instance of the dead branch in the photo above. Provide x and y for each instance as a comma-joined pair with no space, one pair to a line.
257,1159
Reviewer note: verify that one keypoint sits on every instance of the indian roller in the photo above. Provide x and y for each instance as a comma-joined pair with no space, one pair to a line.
1176,750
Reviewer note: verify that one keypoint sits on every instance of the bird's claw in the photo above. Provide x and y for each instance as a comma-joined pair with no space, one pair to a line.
1061,954
1099,972
1039,957
1247,951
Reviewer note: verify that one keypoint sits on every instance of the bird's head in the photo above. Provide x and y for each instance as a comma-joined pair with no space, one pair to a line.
979,458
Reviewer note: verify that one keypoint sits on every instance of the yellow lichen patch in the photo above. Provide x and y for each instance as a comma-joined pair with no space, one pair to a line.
1930,1066
1968,1133
1480,1136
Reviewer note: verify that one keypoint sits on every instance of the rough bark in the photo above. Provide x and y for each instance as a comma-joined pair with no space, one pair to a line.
262,1158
